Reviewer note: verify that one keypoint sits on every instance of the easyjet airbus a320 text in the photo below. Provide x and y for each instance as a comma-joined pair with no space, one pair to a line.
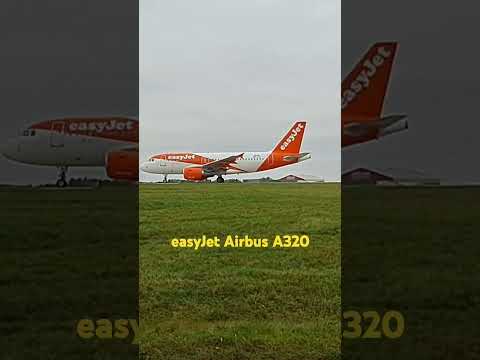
363,95
200,166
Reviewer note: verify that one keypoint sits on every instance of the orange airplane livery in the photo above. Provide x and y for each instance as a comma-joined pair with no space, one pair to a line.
363,95
200,166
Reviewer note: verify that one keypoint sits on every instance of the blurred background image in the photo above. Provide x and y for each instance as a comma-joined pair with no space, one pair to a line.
69,246
409,199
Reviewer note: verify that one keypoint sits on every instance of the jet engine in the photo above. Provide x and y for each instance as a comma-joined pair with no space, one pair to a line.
194,174
122,164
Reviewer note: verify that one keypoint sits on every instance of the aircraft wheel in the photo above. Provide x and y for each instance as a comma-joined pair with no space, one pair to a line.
220,180
61,183
62,176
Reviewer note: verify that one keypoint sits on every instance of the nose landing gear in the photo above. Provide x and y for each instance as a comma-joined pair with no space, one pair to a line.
62,176
220,179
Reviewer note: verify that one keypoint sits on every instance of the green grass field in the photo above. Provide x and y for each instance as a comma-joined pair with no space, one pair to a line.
73,254
66,255
240,303
415,250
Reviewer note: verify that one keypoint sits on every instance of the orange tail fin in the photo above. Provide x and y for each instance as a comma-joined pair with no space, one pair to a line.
364,89
292,141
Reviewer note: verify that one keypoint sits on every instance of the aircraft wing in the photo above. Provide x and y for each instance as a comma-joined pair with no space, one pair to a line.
221,165
362,128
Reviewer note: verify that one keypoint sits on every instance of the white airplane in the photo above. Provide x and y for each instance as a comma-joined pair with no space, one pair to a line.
200,166
110,142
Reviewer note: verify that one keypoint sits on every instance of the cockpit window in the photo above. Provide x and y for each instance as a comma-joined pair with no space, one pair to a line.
28,132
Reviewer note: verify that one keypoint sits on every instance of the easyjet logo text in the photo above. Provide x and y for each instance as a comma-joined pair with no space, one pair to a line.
291,138
181,157
362,81
100,126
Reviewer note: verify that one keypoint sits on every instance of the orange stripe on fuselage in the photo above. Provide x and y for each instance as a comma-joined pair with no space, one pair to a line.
112,128
190,158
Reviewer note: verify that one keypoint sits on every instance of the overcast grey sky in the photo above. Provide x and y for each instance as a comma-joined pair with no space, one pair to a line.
235,75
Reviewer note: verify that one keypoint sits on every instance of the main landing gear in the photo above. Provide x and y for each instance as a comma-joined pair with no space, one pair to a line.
62,176
220,180
165,179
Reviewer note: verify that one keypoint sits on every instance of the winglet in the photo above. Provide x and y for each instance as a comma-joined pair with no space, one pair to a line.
364,89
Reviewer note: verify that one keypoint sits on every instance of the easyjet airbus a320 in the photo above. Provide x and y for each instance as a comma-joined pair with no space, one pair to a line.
363,95
110,142
200,166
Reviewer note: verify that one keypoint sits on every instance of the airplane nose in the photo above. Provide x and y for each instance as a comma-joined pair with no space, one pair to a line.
10,149
144,167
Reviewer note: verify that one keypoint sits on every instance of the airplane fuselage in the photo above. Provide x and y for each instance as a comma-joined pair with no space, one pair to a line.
176,163
65,150
110,142
71,142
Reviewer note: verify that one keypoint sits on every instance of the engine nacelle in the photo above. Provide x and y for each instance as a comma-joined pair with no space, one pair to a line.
122,165
395,127
194,174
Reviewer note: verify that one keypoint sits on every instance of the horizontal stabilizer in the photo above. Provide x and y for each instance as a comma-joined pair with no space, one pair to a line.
299,157
362,128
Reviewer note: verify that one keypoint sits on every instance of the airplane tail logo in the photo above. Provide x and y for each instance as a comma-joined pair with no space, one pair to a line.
292,141
364,89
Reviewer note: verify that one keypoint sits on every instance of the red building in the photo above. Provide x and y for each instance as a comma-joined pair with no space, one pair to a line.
364,176
300,178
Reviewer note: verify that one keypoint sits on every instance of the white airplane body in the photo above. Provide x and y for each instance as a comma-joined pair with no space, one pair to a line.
200,166
110,142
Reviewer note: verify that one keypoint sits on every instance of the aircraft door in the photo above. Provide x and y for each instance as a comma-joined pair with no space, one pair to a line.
57,134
